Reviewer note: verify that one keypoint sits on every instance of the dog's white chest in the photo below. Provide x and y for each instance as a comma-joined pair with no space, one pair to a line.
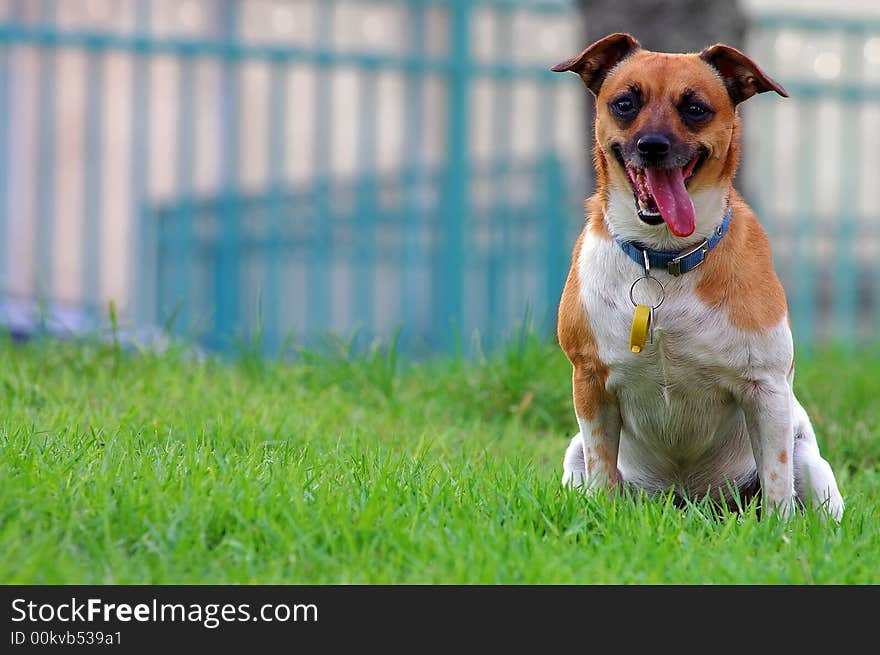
681,424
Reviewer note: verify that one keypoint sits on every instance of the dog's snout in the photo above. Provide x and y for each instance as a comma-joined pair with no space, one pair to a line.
653,146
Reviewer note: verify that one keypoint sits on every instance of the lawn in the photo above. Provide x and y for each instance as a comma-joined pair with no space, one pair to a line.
130,467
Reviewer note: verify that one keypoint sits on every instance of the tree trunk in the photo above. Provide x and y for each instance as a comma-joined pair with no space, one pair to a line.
667,25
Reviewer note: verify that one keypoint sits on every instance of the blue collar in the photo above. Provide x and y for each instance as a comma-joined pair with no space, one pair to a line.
672,262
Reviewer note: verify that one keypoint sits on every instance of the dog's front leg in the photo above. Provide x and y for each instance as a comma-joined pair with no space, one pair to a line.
596,408
767,408
598,416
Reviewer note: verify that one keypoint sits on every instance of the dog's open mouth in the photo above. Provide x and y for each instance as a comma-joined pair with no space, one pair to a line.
661,194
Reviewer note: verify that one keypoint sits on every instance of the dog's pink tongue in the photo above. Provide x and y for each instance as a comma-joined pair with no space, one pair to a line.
672,198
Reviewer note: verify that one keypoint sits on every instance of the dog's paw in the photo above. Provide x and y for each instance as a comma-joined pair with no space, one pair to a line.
814,480
574,470
783,508
834,506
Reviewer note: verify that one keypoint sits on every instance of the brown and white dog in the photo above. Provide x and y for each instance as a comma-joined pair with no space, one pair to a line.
708,405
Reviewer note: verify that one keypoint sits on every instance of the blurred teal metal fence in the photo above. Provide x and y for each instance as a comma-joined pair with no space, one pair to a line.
227,266
439,250
811,170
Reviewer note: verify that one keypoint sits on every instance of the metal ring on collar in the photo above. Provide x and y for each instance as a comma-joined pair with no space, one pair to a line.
648,277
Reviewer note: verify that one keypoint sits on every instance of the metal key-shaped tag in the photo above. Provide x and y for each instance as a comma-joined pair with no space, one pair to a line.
640,326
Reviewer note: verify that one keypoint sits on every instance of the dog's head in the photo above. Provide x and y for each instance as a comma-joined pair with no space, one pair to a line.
666,131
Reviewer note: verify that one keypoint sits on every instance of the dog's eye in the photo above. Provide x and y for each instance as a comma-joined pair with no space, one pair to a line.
624,107
696,111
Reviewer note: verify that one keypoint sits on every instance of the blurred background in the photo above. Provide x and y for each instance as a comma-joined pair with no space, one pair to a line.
229,170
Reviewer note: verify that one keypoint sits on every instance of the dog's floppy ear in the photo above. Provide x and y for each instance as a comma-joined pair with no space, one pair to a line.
594,63
742,77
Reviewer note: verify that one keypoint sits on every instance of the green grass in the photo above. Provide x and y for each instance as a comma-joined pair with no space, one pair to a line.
132,468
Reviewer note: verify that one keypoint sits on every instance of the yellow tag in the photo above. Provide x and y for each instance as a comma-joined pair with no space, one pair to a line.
639,332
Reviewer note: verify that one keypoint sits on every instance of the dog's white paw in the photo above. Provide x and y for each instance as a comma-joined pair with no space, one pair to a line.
831,504
814,480
835,506
574,470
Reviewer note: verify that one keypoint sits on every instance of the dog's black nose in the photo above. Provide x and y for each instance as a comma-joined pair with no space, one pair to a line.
653,146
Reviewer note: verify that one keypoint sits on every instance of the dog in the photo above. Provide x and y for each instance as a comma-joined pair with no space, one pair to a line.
672,316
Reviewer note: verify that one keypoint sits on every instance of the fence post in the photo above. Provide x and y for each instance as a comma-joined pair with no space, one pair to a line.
145,273
226,260
803,311
93,215
450,272
554,239
6,108
319,262
46,207
844,310
413,182
277,138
